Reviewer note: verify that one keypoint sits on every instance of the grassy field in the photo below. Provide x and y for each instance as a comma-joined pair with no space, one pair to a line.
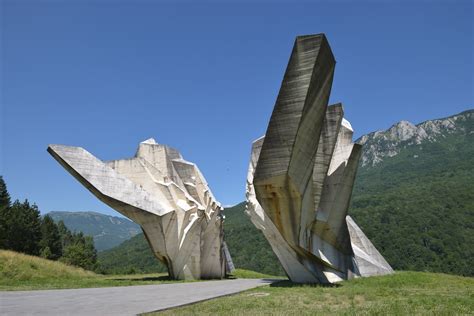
247,274
403,293
23,272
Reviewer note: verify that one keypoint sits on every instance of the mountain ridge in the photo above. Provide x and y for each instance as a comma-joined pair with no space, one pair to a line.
388,143
108,231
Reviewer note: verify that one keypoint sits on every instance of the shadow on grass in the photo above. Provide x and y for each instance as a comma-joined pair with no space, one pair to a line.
288,283
144,279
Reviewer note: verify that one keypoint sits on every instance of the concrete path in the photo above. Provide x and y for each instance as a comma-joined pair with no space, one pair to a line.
125,300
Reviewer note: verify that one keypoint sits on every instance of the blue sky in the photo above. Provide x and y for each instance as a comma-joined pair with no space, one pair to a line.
203,77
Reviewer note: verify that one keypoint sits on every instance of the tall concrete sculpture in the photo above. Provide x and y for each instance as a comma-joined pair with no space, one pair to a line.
167,196
301,175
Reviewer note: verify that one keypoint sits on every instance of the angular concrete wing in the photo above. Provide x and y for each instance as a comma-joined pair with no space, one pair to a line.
301,175
167,196
368,260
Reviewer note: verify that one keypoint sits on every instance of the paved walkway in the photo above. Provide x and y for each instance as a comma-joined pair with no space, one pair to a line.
124,300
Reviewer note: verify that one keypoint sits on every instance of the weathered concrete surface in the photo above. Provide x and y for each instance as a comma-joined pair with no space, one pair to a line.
167,196
368,260
301,175
129,300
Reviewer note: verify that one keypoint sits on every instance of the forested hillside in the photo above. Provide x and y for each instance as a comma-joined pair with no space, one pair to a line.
413,197
414,194
132,256
248,247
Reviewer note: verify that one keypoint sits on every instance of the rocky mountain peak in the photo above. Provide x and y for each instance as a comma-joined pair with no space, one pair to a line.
388,143
402,131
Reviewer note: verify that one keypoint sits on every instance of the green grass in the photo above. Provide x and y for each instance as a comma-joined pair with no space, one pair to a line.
403,293
23,272
247,274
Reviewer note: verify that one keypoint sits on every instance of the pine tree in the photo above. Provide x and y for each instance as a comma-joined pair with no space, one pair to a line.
4,206
65,235
51,246
4,196
90,252
22,228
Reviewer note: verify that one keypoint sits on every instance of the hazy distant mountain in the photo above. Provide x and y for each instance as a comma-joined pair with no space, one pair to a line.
108,231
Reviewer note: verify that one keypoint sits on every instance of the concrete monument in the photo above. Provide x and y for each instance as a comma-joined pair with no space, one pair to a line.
167,196
301,176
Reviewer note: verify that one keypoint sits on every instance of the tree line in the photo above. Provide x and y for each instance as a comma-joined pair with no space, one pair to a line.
22,229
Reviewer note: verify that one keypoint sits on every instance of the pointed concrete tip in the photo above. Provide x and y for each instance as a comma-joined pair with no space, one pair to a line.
61,149
52,147
150,141
56,147
347,124
259,139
